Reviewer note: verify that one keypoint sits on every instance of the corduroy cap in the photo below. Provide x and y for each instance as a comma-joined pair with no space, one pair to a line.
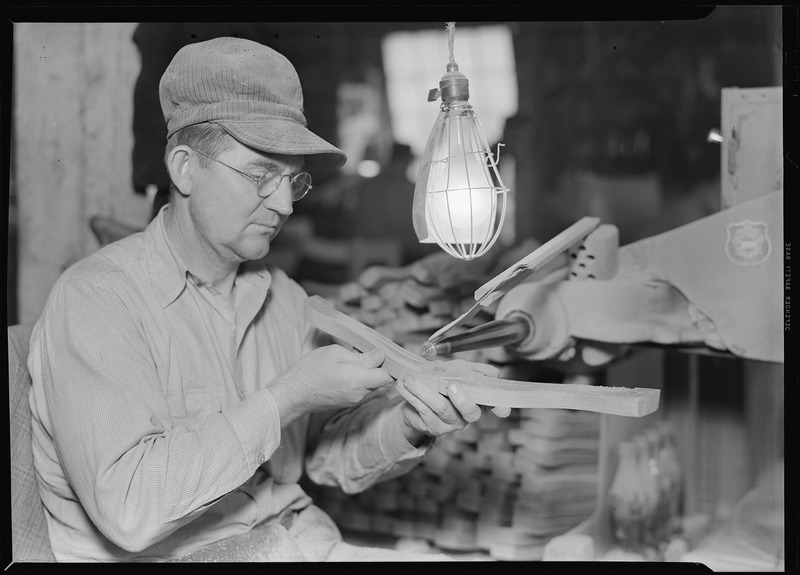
249,90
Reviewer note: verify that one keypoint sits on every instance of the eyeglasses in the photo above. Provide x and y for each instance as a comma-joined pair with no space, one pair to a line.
268,182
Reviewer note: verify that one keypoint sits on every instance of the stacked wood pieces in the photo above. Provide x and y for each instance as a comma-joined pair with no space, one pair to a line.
407,304
503,487
556,456
543,484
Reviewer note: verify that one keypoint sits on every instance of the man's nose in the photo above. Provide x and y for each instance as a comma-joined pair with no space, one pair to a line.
281,199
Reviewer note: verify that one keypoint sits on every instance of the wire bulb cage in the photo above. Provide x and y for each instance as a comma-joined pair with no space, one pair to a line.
459,198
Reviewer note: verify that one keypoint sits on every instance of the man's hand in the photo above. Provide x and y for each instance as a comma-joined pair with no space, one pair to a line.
428,413
328,377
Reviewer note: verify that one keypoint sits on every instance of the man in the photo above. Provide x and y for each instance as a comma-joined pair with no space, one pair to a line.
178,395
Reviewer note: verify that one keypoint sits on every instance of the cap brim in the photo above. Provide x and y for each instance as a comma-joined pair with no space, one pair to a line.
288,138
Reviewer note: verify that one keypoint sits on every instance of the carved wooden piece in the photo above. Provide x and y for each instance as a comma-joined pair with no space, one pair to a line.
504,281
498,286
480,380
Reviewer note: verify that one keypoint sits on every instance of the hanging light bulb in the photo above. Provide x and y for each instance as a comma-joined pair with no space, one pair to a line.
459,198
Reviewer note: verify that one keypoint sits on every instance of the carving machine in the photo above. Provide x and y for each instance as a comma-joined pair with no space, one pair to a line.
713,285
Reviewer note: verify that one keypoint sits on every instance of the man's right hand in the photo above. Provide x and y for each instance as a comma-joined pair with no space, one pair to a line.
329,377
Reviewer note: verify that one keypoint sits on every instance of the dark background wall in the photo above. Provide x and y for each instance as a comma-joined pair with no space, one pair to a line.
614,98
588,89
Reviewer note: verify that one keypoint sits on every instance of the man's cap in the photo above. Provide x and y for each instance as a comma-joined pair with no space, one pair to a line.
249,90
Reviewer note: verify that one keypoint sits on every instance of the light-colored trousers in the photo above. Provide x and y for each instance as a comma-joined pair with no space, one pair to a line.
311,536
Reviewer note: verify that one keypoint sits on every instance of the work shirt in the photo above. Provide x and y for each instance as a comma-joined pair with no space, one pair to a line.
154,431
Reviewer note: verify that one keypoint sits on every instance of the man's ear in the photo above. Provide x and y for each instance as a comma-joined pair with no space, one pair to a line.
178,166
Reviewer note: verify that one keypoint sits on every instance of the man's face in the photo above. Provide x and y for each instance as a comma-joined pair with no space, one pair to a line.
228,215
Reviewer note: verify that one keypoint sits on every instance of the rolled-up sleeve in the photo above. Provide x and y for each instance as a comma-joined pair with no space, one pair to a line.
357,447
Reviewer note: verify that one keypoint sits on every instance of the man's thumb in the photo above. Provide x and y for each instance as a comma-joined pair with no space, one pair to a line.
373,358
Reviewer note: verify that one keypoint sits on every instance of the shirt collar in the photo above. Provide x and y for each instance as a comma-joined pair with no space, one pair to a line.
169,273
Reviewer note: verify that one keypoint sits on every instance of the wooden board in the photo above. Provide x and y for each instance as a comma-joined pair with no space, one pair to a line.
480,380
504,281
498,286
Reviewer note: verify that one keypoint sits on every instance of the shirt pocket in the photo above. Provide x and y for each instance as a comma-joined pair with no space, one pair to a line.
200,403
191,402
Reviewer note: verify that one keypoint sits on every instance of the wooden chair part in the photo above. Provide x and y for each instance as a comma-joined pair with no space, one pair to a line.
480,380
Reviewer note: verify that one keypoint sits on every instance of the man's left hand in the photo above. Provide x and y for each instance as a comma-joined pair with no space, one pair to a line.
428,413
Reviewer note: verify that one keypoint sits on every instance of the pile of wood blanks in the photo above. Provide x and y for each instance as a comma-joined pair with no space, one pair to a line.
556,454
503,487
407,304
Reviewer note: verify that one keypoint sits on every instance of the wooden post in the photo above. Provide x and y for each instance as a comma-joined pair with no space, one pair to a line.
73,95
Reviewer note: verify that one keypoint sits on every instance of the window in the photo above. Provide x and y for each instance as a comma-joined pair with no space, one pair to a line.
414,62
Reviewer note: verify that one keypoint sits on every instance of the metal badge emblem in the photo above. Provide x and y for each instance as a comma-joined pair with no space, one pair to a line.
747,243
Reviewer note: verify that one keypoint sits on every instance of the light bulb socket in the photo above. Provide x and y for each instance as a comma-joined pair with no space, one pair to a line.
454,85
